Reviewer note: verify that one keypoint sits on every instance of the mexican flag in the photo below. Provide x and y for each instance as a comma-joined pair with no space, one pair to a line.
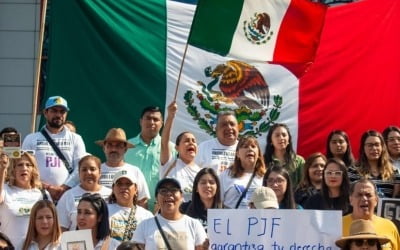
110,59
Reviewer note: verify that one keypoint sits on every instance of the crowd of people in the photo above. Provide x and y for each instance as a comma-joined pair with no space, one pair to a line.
56,186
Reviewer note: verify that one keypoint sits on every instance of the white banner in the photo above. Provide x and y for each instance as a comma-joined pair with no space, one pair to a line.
273,229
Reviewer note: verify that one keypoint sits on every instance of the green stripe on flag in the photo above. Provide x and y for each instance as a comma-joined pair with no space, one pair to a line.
214,36
107,58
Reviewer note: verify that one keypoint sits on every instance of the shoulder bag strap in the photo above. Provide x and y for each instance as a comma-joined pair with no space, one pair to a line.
106,243
245,190
57,150
44,195
162,233
170,168
130,225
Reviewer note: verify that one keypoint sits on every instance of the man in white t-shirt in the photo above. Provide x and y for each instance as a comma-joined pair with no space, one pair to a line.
56,177
115,146
219,153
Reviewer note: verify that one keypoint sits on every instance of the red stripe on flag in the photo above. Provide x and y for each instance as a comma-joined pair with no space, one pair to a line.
299,33
354,83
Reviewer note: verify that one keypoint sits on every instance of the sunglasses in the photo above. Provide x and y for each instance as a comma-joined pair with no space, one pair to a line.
370,242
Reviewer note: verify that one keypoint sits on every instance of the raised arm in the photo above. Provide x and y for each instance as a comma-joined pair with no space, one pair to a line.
4,163
166,133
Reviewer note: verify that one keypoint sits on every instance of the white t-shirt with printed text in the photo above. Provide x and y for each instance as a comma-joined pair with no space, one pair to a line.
212,154
108,173
15,211
67,205
51,167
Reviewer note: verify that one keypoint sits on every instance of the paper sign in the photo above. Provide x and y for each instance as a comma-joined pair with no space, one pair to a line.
390,209
12,145
273,229
77,240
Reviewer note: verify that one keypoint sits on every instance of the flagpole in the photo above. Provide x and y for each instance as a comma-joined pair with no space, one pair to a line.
180,71
38,65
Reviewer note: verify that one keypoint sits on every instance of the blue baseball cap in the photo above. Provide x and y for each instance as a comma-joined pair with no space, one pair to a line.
56,101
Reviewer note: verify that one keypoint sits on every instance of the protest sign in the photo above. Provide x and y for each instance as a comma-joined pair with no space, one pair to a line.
390,209
273,229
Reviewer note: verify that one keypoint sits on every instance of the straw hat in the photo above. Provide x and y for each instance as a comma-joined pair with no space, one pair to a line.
264,197
361,229
115,134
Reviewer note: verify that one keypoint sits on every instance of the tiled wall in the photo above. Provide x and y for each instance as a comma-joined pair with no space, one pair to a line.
19,32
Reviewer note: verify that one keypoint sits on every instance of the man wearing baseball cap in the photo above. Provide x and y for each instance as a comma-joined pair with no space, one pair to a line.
58,168
114,147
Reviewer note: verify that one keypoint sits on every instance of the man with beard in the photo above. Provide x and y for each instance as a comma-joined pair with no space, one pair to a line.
55,175
364,199
115,146
219,153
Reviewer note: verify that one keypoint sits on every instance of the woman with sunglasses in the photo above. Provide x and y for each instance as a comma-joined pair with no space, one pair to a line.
44,230
89,175
334,193
92,213
18,196
169,227
362,237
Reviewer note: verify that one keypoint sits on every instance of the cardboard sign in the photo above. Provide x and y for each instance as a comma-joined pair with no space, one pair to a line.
12,145
273,229
390,209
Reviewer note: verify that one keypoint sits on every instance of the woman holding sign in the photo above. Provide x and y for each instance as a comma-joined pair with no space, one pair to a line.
18,196
239,181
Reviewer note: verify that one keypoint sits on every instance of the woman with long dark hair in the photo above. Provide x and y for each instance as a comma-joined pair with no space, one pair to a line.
278,179
334,194
374,164
93,215
206,194
279,152
311,180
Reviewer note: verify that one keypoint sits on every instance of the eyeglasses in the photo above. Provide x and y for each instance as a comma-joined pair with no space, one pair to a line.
370,242
165,191
31,152
278,181
334,173
393,139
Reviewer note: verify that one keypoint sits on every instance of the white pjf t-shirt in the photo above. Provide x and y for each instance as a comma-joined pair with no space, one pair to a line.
212,154
185,174
185,233
119,217
108,173
67,205
51,167
15,211
232,188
